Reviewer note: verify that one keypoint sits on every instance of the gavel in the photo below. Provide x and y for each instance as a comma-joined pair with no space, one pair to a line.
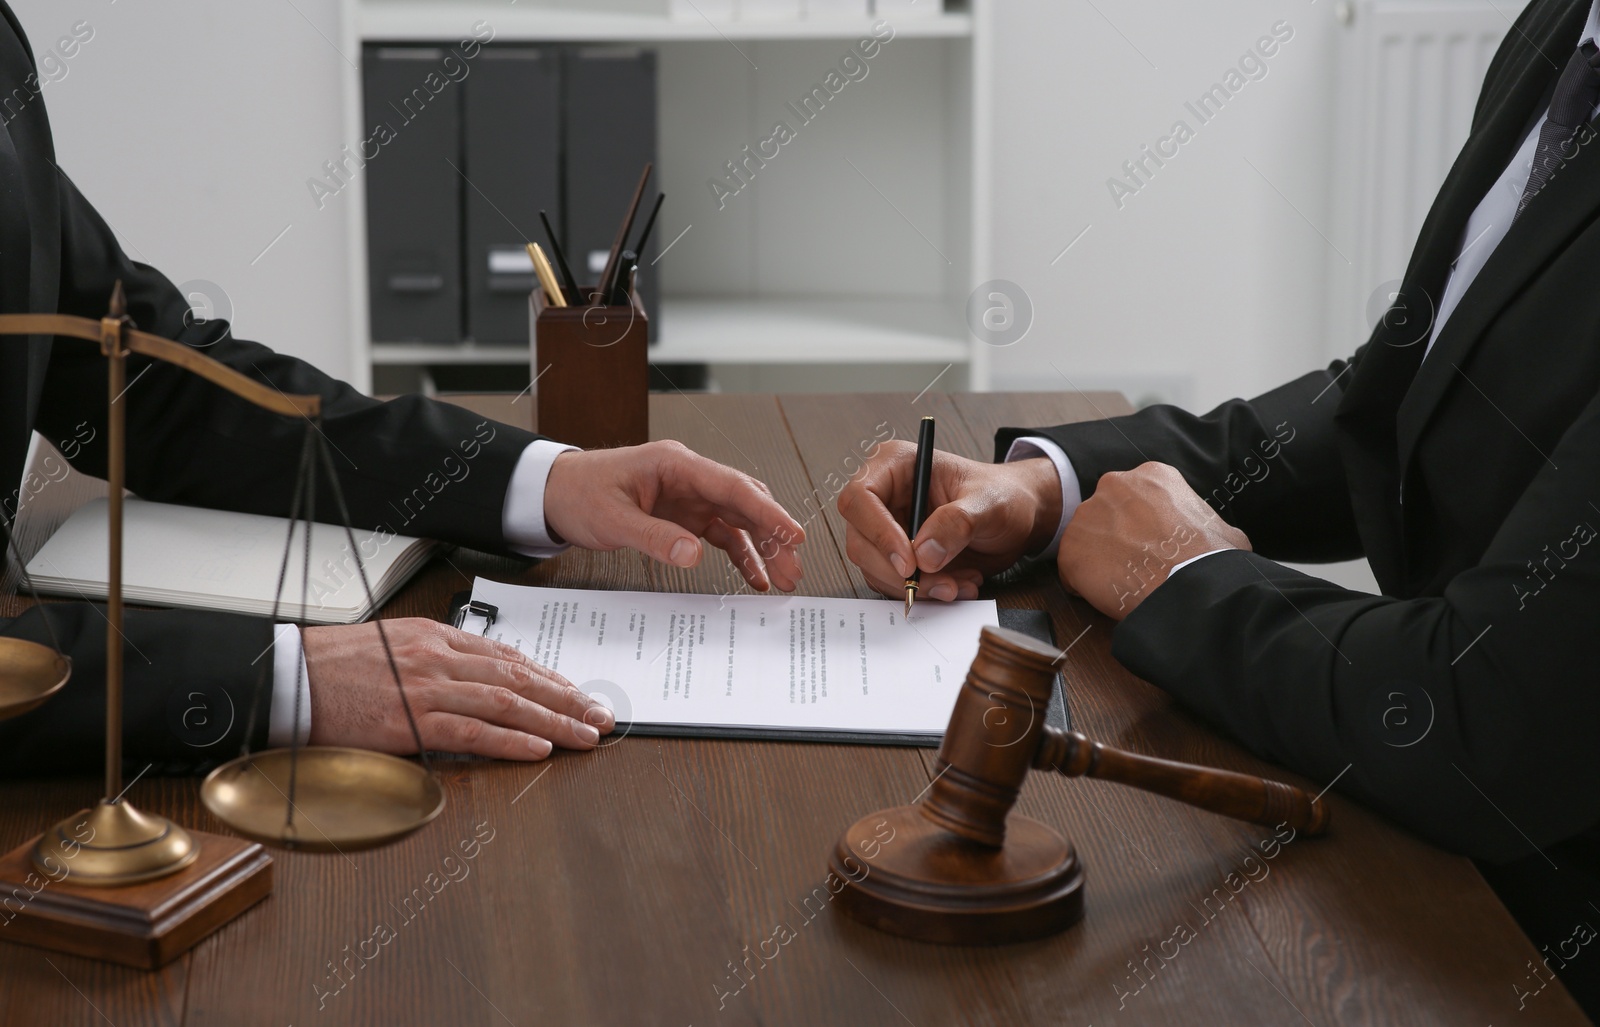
958,869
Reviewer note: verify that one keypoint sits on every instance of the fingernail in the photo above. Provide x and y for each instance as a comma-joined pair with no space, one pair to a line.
600,717
588,734
931,554
899,563
943,591
540,747
683,553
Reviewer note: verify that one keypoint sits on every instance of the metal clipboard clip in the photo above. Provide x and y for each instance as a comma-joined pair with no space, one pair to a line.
474,608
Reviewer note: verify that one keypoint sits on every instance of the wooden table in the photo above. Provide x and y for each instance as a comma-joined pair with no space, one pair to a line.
636,884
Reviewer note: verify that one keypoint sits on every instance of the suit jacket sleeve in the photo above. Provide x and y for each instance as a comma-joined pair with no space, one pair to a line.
1269,465
196,686
412,465
1468,717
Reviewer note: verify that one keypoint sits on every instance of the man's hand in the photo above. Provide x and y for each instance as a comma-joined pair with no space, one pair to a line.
982,519
661,499
469,694
1126,538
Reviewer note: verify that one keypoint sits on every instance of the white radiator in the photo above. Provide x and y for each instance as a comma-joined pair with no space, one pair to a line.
1409,75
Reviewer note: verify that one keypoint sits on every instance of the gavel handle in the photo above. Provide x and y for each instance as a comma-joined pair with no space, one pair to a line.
1240,796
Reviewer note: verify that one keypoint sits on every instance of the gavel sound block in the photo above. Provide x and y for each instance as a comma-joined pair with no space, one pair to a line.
957,871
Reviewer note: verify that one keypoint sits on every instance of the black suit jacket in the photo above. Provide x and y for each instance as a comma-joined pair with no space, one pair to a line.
412,465
1464,702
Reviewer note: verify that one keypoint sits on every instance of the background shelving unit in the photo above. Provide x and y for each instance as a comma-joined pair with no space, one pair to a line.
844,262
443,19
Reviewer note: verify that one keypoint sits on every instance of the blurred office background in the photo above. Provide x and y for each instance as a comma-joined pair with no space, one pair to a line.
981,145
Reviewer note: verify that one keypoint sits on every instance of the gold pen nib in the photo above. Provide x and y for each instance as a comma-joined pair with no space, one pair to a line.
911,596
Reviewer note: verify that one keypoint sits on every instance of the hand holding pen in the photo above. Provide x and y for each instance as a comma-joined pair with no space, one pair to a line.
978,519
920,485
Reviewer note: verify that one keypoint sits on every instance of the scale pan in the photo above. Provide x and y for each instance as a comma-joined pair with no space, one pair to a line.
345,799
30,673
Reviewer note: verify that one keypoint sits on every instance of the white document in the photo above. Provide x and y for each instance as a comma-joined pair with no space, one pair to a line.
218,560
778,663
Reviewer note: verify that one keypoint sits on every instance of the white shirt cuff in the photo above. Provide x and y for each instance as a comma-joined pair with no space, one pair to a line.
288,673
522,519
1071,492
1193,559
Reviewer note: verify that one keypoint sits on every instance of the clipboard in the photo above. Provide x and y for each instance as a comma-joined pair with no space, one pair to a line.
470,615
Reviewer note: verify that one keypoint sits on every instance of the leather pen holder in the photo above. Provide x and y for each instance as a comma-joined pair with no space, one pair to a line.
591,371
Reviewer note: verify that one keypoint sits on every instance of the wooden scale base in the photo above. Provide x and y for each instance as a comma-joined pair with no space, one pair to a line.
144,925
924,882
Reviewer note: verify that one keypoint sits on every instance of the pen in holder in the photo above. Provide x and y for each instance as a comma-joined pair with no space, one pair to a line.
591,370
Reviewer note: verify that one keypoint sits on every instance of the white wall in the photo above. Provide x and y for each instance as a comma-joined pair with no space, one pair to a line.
808,224
1209,282
1207,273
218,113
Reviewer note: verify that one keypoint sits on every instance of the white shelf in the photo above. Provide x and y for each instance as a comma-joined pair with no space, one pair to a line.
741,331
411,354
759,332
432,20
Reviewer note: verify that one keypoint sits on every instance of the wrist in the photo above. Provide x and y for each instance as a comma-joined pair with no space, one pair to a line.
557,489
1042,483
313,649
1187,544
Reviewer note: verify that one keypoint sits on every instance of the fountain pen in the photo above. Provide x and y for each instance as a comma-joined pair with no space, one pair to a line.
920,483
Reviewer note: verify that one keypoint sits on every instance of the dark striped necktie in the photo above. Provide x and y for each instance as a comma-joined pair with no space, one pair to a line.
1573,103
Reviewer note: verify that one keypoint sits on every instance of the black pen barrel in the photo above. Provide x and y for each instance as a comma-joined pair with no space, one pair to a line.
921,483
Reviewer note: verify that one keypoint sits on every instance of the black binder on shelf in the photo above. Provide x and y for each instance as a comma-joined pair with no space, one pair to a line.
512,132
413,196
610,134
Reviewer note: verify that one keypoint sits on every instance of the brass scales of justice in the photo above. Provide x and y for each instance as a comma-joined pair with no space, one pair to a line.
112,882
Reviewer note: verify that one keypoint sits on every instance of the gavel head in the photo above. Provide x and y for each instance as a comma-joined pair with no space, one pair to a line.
993,735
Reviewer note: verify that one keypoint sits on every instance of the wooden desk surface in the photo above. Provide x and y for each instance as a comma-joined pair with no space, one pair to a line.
644,882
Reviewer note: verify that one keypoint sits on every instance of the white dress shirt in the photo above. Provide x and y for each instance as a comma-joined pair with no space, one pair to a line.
1485,229
522,523
1492,219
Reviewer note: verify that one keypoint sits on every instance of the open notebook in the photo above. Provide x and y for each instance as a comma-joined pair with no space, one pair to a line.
216,560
